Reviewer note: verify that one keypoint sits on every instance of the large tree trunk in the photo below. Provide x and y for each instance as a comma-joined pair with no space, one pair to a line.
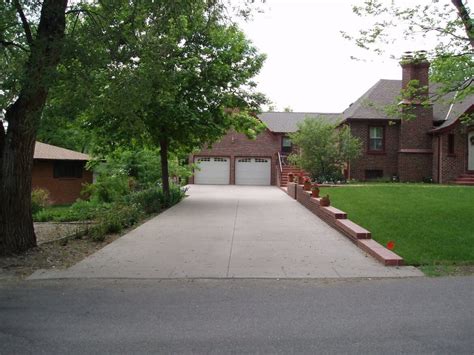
463,14
18,141
165,176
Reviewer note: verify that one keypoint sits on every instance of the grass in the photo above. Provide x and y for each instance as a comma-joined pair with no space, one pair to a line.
429,224
51,213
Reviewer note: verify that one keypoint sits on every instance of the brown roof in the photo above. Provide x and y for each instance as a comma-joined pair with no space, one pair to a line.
371,105
51,152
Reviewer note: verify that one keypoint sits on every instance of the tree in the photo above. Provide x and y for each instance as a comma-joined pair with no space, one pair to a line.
32,37
186,81
324,149
33,49
449,23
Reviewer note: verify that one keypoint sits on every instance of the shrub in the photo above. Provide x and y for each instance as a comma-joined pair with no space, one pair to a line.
83,210
150,200
108,188
98,233
50,214
119,216
39,200
177,193
324,149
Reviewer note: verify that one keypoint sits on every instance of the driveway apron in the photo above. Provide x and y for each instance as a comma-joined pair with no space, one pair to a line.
232,232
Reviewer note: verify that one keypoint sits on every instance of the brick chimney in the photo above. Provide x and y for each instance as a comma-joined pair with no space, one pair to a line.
415,154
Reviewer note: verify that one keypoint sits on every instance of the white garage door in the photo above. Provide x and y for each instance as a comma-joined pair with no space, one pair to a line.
212,171
253,171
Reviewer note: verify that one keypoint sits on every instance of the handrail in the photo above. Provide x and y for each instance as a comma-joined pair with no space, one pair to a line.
279,161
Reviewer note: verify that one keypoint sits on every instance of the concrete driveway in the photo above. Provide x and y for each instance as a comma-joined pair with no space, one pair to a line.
232,232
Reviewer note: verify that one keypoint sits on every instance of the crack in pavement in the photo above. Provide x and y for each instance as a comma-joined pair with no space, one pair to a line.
232,240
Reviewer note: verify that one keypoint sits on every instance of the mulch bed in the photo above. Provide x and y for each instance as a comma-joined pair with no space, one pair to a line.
51,255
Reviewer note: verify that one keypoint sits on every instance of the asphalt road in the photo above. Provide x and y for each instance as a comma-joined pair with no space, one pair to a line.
420,315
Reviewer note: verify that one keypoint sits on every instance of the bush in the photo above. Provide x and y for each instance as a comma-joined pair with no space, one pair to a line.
82,211
108,188
177,193
55,213
98,233
150,200
114,219
324,150
39,200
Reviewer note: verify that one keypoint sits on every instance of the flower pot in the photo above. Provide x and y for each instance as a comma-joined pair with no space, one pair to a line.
315,192
324,202
307,185
291,177
301,180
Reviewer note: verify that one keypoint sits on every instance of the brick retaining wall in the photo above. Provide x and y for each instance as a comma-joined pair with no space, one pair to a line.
338,220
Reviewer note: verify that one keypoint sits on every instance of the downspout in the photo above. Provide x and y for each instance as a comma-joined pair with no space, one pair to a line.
440,179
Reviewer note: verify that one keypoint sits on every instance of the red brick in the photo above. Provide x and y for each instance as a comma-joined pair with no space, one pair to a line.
235,145
62,190
352,229
385,256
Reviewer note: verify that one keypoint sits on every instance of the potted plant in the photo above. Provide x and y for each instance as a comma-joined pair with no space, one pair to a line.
301,179
307,184
291,177
325,201
315,190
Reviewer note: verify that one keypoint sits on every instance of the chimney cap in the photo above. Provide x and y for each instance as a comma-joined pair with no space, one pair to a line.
416,57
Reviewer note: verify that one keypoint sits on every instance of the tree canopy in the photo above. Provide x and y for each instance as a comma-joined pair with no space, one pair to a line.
324,148
449,24
98,75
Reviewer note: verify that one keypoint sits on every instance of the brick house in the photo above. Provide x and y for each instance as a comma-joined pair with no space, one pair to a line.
434,145
60,171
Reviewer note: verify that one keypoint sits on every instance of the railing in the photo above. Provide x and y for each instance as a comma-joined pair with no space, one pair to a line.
279,162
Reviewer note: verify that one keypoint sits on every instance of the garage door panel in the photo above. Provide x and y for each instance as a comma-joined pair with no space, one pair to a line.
253,171
212,171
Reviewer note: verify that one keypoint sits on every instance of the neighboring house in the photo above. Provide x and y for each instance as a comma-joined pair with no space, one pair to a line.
434,146
60,171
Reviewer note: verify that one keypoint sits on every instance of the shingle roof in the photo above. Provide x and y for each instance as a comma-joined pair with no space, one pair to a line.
371,105
51,152
287,122
454,111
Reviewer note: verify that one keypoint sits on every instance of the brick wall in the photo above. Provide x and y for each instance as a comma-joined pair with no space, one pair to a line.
235,145
62,190
415,167
414,133
456,164
386,161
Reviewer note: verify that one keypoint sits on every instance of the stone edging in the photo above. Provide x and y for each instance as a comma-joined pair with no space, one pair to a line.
338,220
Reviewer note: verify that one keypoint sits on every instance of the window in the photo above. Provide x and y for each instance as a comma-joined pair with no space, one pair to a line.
204,159
286,145
220,160
373,174
260,160
68,169
450,144
245,160
376,135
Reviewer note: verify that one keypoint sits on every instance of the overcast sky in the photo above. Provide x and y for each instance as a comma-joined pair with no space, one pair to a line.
309,66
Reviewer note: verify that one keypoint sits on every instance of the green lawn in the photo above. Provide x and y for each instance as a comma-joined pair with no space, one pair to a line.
430,224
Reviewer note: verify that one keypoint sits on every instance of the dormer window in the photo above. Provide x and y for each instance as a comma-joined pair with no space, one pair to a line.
376,139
